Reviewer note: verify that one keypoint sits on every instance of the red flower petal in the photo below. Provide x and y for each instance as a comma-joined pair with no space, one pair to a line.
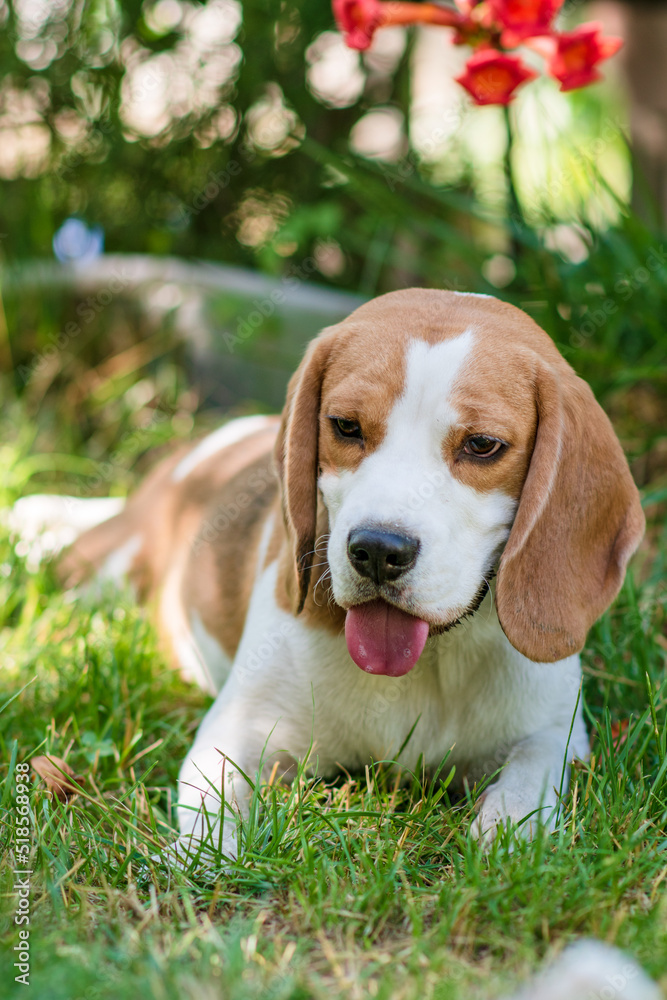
492,77
357,19
577,54
521,19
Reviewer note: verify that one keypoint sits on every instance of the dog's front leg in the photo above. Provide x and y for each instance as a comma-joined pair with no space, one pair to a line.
212,795
239,741
526,793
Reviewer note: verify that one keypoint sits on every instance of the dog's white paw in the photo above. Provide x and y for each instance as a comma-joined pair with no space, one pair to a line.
204,844
200,858
499,807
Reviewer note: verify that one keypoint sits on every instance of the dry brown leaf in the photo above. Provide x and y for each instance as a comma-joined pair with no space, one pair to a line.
54,772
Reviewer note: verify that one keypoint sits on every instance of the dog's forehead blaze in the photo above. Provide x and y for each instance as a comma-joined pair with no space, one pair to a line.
367,372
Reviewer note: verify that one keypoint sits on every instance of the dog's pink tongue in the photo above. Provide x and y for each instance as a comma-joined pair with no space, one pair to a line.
383,640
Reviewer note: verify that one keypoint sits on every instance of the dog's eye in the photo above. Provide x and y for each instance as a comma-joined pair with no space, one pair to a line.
482,446
349,429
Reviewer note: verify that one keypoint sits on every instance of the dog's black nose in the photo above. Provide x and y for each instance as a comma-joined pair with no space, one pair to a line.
381,555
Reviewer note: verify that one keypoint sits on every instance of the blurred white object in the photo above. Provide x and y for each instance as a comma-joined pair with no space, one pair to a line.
45,524
590,970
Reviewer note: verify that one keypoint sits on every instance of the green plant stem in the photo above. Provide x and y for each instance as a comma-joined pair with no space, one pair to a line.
514,214
6,362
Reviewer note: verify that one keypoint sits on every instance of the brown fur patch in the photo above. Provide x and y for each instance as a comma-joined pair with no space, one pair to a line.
222,563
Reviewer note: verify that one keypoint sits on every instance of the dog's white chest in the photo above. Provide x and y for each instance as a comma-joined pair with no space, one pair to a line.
469,692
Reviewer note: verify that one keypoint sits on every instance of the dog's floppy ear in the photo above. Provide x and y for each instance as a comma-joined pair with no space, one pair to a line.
296,458
578,522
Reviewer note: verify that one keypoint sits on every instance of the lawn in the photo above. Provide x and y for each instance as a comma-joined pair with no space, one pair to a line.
358,888
366,886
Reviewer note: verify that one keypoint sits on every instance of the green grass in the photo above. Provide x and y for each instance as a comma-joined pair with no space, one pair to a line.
356,888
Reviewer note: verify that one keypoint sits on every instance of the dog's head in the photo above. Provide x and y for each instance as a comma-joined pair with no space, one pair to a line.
447,437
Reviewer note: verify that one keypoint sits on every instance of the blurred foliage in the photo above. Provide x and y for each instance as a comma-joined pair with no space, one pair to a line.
208,130
167,124
176,127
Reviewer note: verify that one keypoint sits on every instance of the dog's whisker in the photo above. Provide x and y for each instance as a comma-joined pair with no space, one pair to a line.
325,574
323,577
312,552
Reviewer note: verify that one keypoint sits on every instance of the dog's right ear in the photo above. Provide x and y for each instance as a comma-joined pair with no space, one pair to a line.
296,458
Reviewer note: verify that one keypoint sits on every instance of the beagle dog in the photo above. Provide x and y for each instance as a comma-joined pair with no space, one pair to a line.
407,561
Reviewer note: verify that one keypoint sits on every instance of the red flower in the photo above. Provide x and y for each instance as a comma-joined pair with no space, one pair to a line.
358,19
577,53
521,19
492,77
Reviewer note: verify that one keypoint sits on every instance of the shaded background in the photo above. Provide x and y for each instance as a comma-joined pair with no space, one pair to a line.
248,136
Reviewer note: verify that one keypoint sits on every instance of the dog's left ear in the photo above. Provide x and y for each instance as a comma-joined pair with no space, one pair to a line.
296,458
578,522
